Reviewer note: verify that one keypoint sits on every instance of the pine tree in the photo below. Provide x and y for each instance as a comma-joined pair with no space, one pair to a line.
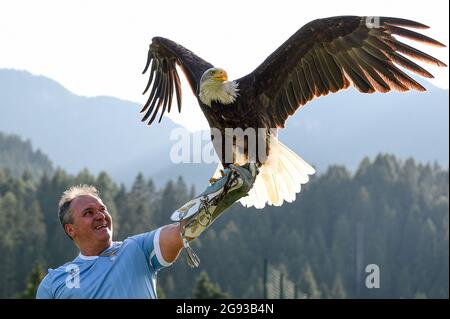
308,284
206,289
34,279
135,215
8,245
338,290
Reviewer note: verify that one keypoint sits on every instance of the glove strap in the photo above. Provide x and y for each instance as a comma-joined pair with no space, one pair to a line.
192,259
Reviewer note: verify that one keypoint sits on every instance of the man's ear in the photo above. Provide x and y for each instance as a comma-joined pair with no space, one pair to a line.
70,230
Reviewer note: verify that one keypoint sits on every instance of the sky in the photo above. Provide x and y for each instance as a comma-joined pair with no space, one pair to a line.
100,47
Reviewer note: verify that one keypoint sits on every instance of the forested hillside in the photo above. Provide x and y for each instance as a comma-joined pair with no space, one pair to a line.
391,213
19,157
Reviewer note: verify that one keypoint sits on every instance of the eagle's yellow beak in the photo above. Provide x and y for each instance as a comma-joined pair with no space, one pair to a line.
221,76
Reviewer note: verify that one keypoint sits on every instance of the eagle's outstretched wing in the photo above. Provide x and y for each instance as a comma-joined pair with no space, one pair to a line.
327,55
163,56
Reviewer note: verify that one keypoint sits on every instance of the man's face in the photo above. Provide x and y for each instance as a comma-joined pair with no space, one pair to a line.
92,224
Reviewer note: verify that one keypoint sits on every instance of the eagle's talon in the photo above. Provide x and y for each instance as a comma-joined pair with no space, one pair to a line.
212,180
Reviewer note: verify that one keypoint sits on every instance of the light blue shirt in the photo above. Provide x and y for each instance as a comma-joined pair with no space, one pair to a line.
125,270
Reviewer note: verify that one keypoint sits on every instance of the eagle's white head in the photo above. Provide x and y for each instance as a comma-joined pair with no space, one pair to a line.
214,86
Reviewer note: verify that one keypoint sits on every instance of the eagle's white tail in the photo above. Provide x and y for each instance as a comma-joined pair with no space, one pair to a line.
279,179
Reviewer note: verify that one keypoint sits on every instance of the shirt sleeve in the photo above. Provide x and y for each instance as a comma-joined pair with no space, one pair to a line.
45,288
149,243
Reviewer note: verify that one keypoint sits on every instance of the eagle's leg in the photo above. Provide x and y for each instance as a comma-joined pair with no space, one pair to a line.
212,180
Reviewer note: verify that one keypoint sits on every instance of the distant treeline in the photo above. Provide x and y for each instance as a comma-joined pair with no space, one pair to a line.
18,157
391,213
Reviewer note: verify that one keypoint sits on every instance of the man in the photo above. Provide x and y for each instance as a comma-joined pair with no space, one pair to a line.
107,269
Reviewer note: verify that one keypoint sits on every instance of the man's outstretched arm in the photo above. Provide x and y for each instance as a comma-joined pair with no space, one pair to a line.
206,207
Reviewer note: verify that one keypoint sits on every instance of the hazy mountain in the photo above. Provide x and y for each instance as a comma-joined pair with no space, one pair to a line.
100,133
105,133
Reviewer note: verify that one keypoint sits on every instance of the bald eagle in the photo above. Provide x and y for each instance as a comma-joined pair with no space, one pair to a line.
326,55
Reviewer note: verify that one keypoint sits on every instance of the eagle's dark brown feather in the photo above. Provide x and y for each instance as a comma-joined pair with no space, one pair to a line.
327,55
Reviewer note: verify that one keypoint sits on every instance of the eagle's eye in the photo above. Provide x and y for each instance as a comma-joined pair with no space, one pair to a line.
211,72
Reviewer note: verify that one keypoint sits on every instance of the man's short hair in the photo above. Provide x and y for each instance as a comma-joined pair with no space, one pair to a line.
65,217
